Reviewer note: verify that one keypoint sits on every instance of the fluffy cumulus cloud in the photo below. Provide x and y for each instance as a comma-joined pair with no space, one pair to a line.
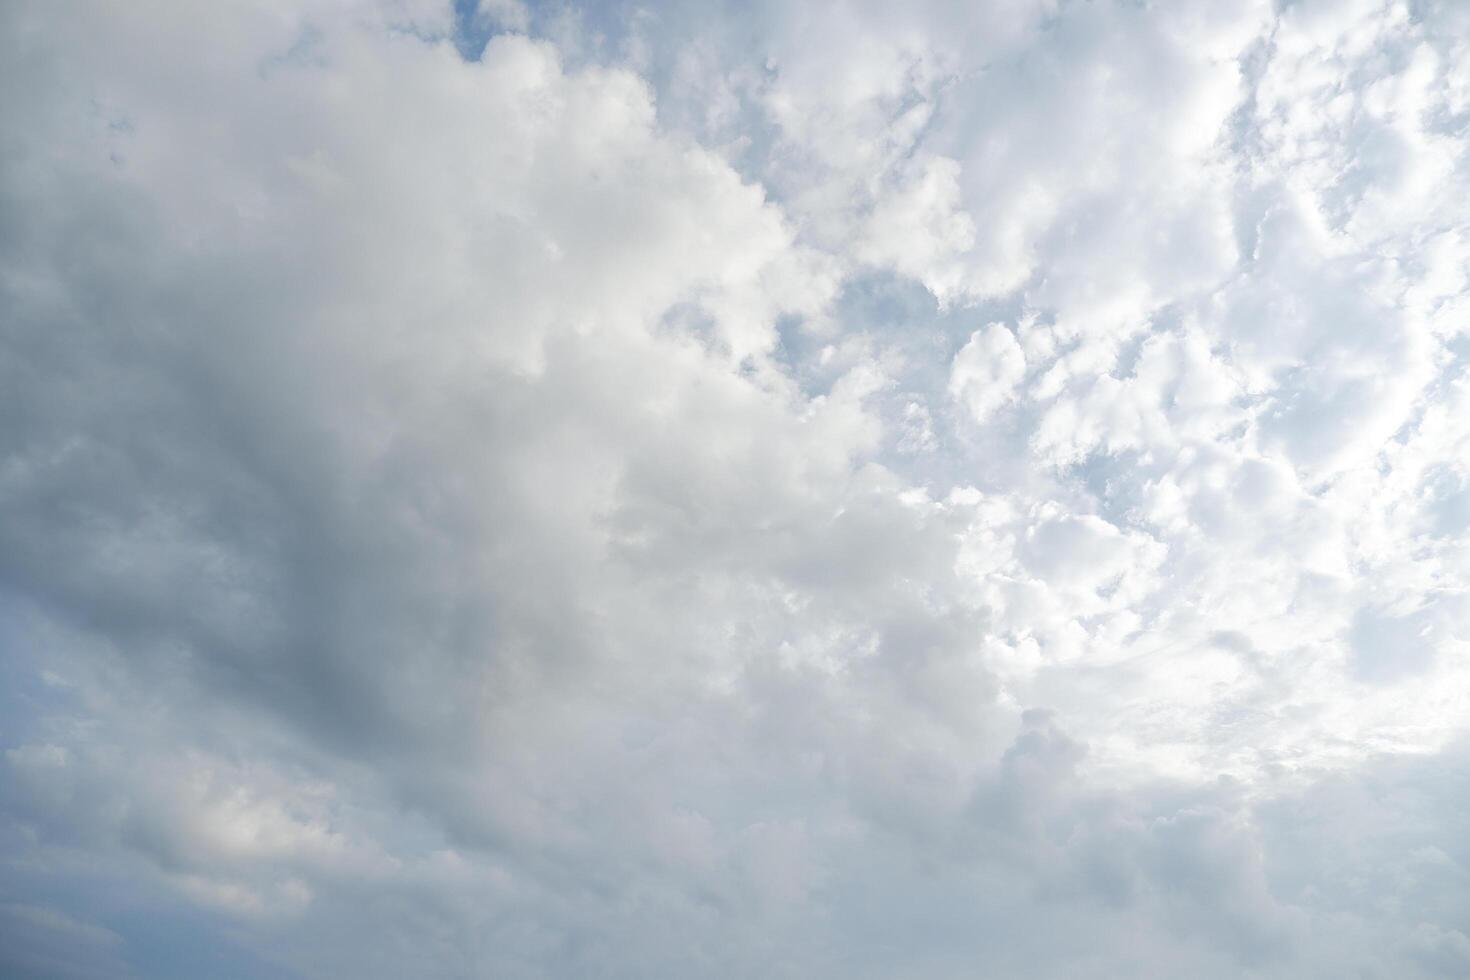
823,490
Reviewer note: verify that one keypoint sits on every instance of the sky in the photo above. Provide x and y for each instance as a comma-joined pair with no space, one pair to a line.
735,489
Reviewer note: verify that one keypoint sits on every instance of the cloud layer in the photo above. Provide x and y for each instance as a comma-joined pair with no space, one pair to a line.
837,490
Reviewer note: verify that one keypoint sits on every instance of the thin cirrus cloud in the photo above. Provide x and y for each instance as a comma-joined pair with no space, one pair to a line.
834,490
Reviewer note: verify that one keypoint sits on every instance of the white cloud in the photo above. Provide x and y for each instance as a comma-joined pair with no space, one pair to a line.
556,513
986,371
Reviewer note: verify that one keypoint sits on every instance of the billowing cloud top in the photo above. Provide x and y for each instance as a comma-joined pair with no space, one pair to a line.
826,490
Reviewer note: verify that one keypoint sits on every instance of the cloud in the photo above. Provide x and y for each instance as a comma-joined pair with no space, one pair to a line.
987,370
842,490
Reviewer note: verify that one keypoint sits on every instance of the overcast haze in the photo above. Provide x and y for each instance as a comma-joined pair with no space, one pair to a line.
776,489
